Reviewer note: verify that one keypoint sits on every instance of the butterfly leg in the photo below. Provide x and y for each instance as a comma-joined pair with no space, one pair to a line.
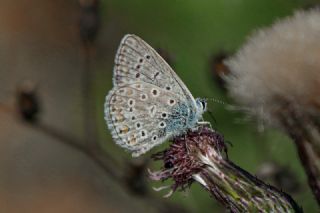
200,125
204,123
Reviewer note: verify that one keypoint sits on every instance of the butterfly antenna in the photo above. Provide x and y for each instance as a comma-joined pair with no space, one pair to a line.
217,101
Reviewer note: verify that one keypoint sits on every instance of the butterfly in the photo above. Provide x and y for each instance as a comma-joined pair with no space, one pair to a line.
148,103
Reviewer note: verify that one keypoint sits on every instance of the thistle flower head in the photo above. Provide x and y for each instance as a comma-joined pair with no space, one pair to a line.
279,64
184,158
201,156
276,77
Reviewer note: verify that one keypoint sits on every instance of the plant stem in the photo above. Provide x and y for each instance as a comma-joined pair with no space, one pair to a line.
305,132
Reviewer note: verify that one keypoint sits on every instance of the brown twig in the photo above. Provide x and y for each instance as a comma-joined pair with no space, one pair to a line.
90,126
89,25
105,162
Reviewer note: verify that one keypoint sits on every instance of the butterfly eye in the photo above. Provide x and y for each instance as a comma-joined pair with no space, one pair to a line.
204,104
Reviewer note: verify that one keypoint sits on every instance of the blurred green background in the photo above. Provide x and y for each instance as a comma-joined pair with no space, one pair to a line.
40,41
193,31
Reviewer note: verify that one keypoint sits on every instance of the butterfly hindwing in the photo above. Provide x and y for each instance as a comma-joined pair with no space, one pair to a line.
143,115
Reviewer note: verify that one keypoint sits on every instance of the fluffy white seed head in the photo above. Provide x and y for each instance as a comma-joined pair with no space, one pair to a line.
281,62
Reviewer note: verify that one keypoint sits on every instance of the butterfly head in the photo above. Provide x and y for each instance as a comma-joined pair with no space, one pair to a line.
202,105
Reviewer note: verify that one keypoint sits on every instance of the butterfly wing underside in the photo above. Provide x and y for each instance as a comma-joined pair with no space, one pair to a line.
144,107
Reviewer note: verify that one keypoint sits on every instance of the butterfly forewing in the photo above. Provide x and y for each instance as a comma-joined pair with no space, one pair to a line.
137,61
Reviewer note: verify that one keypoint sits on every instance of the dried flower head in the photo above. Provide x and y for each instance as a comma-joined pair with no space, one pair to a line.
181,160
276,77
279,63
201,156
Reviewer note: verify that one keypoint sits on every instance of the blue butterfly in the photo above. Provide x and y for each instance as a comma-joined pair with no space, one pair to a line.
148,103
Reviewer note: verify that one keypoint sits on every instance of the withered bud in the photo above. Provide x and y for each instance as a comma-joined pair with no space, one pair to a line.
27,102
89,20
275,77
218,68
